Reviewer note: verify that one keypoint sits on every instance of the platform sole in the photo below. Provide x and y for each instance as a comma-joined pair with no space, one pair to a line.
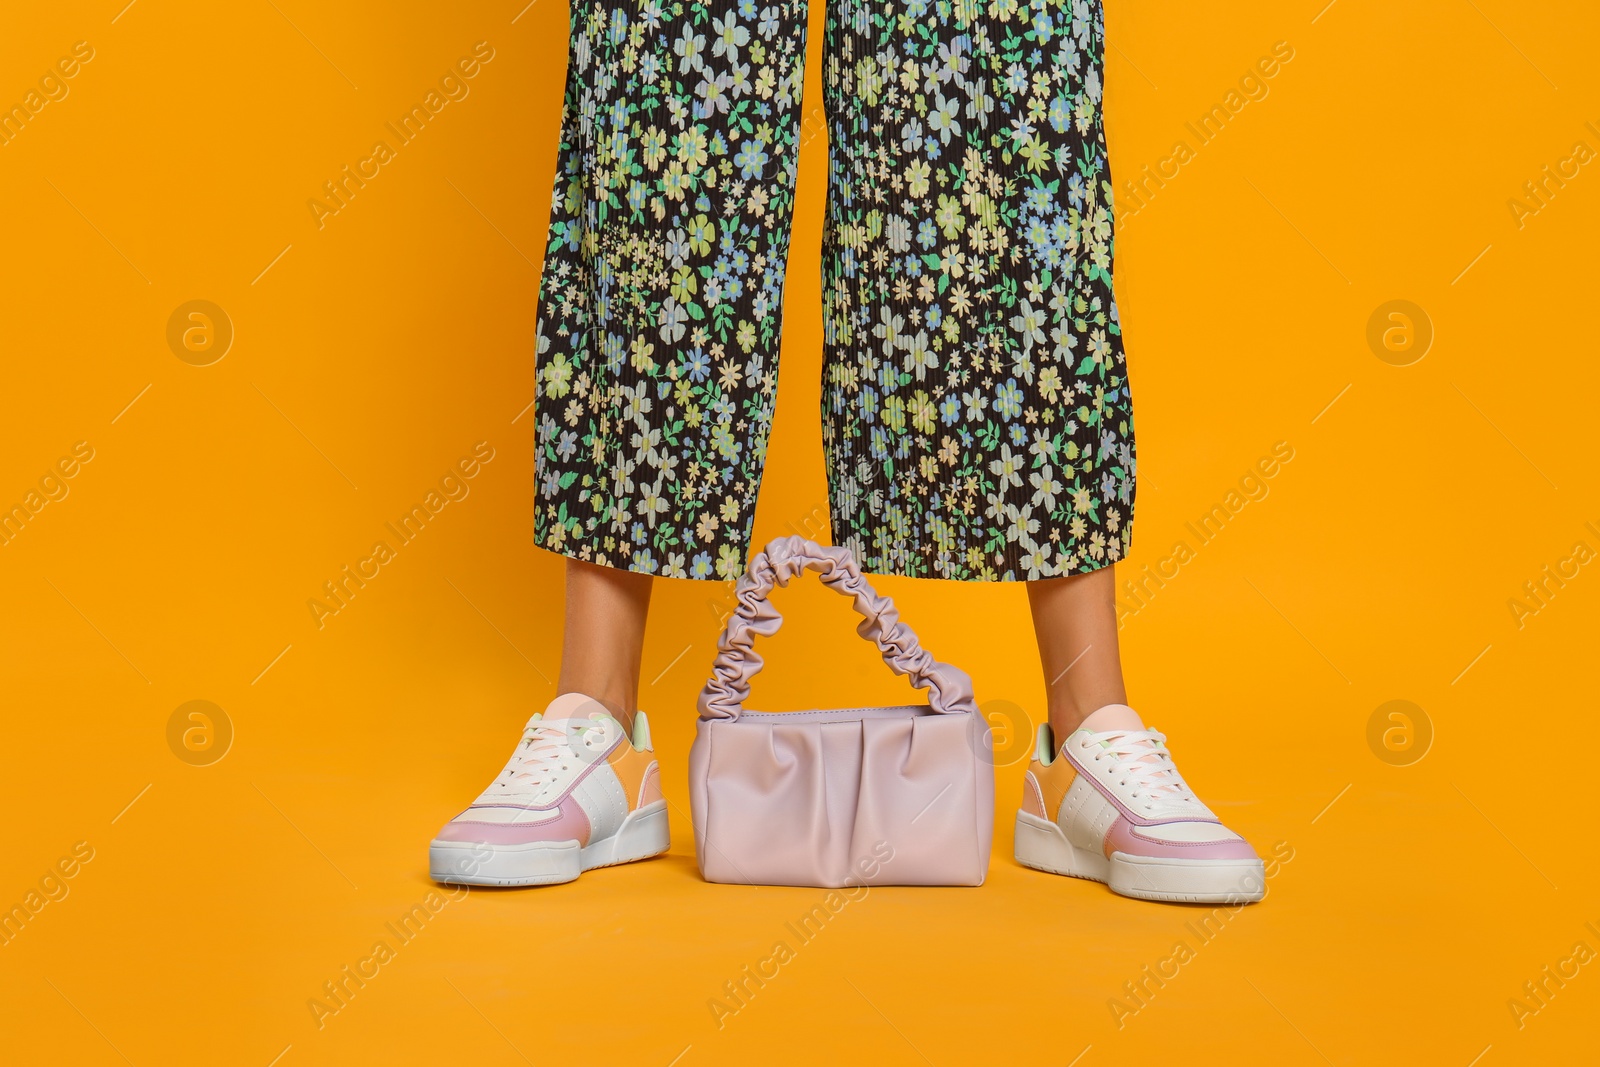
1042,845
643,834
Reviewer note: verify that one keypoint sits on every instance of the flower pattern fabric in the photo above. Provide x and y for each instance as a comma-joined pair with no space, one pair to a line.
976,413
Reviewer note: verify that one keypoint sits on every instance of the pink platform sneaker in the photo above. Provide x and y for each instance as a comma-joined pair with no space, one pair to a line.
1111,806
576,794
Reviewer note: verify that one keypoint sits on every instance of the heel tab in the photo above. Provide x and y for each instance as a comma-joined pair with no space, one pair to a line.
641,733
1044,747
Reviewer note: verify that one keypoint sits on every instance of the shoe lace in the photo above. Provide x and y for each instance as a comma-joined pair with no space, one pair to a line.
1140,758
545,754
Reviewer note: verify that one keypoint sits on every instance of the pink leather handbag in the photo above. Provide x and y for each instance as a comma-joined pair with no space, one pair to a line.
863,796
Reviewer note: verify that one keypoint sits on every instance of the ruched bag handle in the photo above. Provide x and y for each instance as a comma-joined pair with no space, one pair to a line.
949,688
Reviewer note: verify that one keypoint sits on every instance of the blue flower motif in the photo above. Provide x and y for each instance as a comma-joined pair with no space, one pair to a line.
751,159
698,365
1008,401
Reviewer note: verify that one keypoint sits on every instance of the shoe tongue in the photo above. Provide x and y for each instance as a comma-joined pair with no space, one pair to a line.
1116,718
1112,717
574,706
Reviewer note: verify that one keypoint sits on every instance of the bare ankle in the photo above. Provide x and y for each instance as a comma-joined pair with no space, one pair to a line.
616,699
1067,714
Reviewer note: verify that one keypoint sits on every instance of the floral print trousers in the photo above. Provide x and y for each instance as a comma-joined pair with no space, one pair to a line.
976,414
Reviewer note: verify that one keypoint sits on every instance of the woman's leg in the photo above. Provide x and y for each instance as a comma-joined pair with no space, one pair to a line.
1075,622
574,795
1112,806
604,639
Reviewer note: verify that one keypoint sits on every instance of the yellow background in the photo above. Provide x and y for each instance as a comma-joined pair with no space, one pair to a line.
369,355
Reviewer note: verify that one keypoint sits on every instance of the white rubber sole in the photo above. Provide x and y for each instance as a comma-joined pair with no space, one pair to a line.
1040,844
644,833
